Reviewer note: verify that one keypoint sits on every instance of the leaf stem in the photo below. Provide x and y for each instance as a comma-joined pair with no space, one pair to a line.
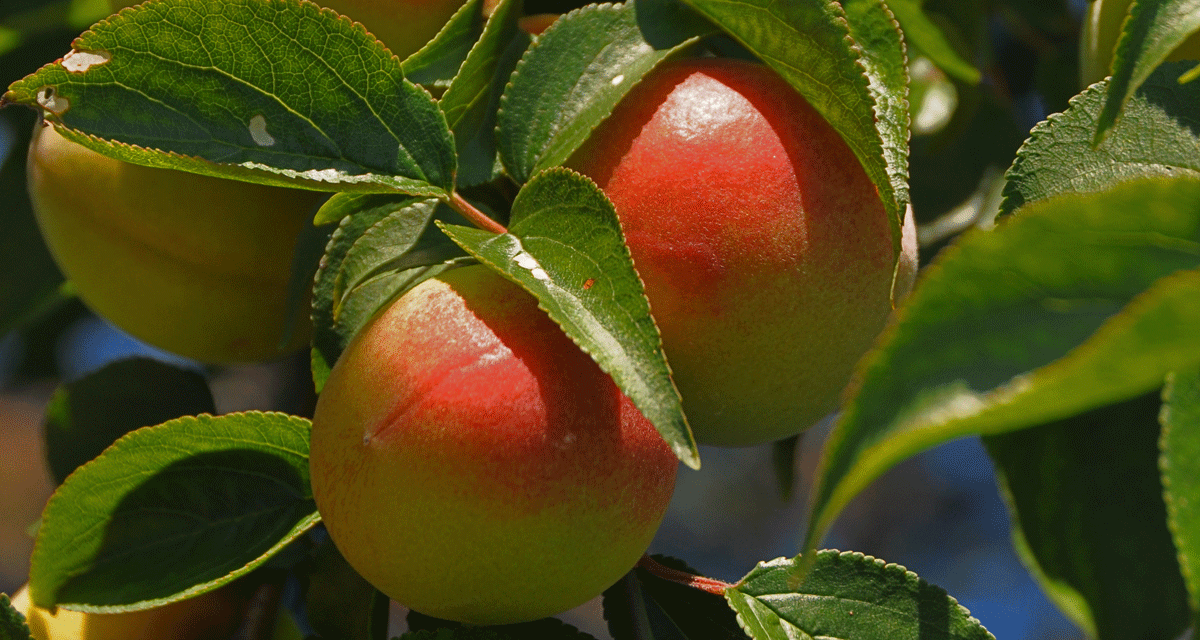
709,585
477,217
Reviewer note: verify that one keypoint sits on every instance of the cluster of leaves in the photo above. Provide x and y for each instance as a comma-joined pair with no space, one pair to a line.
1051,334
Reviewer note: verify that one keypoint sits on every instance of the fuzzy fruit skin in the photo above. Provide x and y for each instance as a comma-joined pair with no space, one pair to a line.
764,247
214,615
195,265
1098,42
474,465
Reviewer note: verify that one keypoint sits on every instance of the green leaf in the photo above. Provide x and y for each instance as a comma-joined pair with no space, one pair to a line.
1089,519
784,454
30,283
1159,138
12,623
861,94
265,92
643,605
87,415
1073,303
310,247
565,246
928,37
1180,465
383,247
436,63
886,62
577,71
847,595
209,498
471,102
1152,31
339,602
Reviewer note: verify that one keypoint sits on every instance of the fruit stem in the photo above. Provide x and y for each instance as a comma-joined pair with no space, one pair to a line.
709,585
477,217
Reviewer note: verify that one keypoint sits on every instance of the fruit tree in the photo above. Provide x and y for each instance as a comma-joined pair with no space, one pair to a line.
500,277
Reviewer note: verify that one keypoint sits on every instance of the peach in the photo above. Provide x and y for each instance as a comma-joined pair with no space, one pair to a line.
474,464
765,249
195,265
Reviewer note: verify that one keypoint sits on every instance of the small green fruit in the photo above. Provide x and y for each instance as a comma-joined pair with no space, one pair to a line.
472,463
765,249
194,265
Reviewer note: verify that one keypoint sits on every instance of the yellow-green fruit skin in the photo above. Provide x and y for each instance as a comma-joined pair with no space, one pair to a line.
194,265
765,249
474,465
211,616
1098,42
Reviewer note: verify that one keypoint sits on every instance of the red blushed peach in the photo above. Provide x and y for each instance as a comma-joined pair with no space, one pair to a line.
473,464
764,247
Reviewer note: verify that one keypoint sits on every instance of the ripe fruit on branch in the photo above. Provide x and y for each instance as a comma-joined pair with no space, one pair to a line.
474,464
1101,31
191,264
764,248
215,614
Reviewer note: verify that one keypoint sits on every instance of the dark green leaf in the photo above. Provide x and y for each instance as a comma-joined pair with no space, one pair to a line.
209,498
783,458
645,606
578,70
1153,30
805,42
1075,302
310,247
1089,520
340,603
886,62
1161,137
12,623
383,247
471,102
848,595
438,61
86,416
30,282
929,38
1180,464
565,246
216,86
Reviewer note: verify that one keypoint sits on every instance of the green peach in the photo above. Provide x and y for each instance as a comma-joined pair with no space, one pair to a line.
195,265
474,464
764,248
